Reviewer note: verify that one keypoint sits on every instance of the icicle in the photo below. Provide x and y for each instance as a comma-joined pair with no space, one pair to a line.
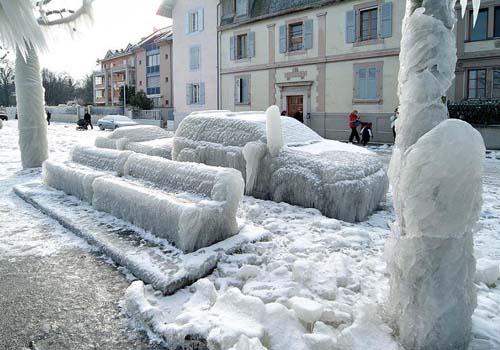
274,133
253,153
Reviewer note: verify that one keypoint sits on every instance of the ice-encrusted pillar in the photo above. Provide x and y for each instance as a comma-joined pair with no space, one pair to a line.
31,109
436,176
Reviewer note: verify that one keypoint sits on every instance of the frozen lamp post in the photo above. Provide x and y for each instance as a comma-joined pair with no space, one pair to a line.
436,175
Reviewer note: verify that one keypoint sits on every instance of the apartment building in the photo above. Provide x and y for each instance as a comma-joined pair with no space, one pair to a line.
117,69
145,66
478,51
194,54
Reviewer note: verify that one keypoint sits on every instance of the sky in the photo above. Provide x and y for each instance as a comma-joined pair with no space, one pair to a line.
116,23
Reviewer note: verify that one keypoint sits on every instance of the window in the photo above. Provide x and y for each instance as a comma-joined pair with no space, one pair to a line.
153,85
480,30
140,62
166,56
153,63
476,82
242,90
368,24
496,84
368,84
99,94
98,80
194,21
241,46
166,79
140,82
195,94
295,36
241,7
497,22
156,101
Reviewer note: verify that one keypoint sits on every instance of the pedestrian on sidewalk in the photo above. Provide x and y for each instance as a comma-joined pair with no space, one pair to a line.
394,117
354,122
49,115
366,133
88,119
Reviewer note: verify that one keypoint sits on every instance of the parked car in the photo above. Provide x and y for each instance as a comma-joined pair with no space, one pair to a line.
343,181
114,122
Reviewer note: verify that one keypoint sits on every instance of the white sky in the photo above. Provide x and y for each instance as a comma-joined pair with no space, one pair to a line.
116,23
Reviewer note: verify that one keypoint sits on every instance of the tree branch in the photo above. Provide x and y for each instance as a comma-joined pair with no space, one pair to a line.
74,15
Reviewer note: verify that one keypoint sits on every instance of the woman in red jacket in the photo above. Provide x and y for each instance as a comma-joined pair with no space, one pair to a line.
353,124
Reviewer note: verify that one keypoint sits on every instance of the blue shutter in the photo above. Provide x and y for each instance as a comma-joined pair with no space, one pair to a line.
200,20
244,89
362,73
308,34
350,27
189,94
283,40
372,86
251,44
232,48
237,87
193,64
202,93
386,20
187,27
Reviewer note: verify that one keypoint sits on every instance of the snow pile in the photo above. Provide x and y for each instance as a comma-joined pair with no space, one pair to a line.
147,139
103,159
488,271
273,130
343,181
70,178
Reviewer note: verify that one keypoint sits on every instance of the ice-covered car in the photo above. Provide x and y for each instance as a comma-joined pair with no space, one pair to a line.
146,139
114,122
343,181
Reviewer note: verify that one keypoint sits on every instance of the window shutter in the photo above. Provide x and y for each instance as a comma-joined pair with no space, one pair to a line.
189,94
187,26
350,27
308,34
372,85
237,89
192,63
232,48
386,20
362,83
202,93
200,20
251,44
246,91
283,40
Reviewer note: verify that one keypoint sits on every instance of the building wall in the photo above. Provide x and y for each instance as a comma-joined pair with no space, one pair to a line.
324,74
140,58
207,41
166,74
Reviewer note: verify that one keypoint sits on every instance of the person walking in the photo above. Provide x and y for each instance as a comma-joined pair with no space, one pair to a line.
366,133
394,117
49,115
299,116
87,118
353,124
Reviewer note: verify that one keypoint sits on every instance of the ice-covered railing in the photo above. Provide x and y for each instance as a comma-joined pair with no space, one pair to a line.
191,205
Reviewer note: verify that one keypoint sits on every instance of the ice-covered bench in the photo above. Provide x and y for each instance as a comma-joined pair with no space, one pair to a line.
146,139
191,205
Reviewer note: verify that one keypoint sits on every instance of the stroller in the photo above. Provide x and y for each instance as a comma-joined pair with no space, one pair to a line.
82,125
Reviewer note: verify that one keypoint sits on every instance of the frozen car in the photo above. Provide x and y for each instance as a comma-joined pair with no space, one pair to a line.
114,122
343,181
3,115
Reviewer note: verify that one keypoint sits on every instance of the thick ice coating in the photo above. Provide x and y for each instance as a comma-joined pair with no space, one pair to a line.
343,181
98,158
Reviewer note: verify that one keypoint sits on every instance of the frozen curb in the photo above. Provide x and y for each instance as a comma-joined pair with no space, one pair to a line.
164,267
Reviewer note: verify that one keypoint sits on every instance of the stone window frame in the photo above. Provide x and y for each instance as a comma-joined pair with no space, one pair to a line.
363,7
379,65
248,78
236,35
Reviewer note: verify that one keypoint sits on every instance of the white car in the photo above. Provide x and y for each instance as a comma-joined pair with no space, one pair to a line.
114,122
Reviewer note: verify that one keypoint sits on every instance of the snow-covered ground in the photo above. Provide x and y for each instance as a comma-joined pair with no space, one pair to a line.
317,283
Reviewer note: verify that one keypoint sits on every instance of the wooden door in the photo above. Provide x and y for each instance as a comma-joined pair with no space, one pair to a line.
295,105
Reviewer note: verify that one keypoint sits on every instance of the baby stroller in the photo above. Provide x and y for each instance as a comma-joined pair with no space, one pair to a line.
82,125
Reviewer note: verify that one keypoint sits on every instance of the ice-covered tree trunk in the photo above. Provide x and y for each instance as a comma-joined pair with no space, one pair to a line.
30,108
436,177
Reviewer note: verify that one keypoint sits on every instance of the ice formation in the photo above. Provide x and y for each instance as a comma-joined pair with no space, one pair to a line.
146,139
273,130
343,181
1,124
436,173
191,205
103,159
30,107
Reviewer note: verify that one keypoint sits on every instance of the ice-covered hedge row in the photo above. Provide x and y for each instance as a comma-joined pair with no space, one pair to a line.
191,205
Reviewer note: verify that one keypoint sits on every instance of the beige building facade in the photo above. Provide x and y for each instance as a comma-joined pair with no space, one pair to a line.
195,50
322,59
